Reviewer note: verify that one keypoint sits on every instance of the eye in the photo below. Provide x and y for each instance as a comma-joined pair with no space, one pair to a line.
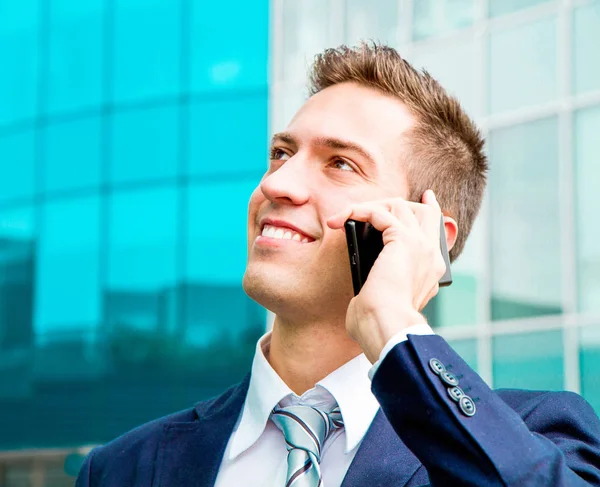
342,165
279,155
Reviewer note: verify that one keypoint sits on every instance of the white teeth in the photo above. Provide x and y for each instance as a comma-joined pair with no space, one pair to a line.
282,234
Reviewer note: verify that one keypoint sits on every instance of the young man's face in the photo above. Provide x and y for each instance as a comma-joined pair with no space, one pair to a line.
344,146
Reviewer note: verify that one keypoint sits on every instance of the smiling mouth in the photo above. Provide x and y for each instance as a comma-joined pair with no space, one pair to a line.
281,233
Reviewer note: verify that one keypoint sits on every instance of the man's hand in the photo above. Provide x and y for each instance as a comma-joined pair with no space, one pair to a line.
405,275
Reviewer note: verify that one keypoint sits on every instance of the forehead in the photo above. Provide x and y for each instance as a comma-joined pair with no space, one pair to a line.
349,111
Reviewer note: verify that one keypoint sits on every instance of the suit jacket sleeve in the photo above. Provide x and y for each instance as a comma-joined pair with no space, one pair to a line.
84,477
550,439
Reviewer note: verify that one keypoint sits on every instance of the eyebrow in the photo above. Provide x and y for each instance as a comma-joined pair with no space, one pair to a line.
330,142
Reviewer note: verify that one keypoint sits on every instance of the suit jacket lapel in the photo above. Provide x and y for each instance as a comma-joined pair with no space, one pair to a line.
190,453
382,459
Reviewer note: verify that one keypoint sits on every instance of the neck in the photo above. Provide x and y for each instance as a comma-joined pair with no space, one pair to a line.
303,354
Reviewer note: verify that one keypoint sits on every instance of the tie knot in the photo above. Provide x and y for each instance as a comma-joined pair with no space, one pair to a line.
306,427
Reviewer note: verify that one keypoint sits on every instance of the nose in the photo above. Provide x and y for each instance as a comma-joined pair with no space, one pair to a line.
289,183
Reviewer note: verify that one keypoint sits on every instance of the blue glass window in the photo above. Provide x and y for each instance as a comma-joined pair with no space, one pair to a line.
17,169
68,302
587,177
229,136
586,39
73,154
217,309
142,258
437,18
17,290
19,50
240,61
519,365
147,47
145,144
589,363
76,49
67,295
531,51
218,255
502,7
526,275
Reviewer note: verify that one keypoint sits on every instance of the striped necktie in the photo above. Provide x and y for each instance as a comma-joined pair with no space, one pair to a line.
305,430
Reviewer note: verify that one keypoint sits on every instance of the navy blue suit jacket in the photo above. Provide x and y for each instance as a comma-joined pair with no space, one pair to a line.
419,437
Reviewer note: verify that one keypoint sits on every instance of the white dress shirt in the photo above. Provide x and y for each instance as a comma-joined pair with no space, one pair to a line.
256,454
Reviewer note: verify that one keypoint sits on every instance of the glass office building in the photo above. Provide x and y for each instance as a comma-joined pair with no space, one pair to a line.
524,306
132,133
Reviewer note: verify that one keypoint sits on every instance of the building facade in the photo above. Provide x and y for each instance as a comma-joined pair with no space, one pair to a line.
131,135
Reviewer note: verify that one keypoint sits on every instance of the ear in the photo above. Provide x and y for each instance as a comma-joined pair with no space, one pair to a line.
451,228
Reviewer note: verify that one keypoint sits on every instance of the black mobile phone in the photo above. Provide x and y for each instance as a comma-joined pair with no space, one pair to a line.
364,244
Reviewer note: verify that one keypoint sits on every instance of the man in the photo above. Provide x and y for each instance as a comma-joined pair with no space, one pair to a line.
369,144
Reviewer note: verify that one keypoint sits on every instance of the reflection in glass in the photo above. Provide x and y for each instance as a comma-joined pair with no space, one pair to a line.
68,254
306,32
524,204
19,50
142,261
586,39
529,361
17,165
228,136
523,65
455,305
502,7
238,61
455,65
76,55
589,363
587,178
17,290
68,304
376,20
218,255
147,53
145,144
73,155
433,18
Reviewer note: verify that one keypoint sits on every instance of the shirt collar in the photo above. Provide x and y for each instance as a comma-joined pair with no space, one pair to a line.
349,385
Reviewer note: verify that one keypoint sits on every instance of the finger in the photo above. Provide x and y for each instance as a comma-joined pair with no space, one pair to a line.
376,214
405,212
429,214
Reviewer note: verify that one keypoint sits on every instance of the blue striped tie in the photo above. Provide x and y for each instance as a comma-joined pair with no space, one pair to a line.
305,430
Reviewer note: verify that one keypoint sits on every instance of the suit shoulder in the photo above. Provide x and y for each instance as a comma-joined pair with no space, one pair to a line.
550,404
147,435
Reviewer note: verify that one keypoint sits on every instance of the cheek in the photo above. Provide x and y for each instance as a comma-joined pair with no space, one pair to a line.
256,199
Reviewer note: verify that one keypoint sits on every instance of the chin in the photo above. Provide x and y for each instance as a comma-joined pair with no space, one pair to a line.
290,296
266,289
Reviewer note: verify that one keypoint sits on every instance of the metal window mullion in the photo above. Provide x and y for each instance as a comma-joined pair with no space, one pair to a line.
566,195
484,329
